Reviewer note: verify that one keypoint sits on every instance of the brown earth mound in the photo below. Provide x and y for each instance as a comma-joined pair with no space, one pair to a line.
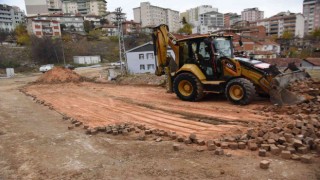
60,75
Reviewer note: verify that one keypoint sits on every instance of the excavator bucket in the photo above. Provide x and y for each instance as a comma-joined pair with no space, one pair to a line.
279,94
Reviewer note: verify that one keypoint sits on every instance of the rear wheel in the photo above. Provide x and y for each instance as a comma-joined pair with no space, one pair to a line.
240,91
188,87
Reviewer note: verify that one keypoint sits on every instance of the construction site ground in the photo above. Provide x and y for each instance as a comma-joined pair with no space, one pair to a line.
36,144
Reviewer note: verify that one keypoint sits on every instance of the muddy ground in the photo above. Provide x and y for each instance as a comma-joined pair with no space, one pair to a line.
36,144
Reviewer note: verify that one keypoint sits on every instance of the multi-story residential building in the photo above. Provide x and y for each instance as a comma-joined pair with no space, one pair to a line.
111,17
284,21
42,28
230,19
35,7
72,23
149,15
252,14
311,12
85,7
131,27
192,15
10,17
209,22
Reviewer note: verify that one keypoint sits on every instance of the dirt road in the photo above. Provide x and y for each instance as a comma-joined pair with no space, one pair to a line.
35,142
103,104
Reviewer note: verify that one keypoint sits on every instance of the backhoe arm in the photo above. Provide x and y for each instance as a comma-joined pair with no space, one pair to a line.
161,40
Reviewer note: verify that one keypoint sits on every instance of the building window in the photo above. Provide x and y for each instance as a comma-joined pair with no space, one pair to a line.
150,66
141,56
149,55
142,67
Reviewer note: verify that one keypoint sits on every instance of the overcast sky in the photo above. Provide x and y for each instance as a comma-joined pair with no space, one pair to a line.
270,7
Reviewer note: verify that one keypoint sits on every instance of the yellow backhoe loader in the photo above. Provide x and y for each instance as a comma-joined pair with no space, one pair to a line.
206,64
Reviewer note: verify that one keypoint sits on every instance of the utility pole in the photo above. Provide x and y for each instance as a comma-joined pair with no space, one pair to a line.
122,49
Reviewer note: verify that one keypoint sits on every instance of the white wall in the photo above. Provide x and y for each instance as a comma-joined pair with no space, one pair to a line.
299,31
86,59
134,62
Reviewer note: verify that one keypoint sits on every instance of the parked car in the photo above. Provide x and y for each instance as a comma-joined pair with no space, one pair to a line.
118,63
45,68
69,66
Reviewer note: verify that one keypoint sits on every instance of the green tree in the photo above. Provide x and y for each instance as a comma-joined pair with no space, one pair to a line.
22,35
62,27
316,33
187,29
104,21
95,34
287,35
87,25
184,21
3,35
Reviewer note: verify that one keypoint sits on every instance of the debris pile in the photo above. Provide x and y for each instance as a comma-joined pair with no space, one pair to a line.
310,89
297,139
59,75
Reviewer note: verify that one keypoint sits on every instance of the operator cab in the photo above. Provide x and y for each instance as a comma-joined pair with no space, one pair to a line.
208,53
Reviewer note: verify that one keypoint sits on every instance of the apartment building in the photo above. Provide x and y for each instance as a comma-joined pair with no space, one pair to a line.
131,27
111,17
252,14
85,7
284,21
149,15
230,19
42,28
10,17
311,12
73,23
35,7
209,22
192,15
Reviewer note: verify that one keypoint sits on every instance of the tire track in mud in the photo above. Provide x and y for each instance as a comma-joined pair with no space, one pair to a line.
95,111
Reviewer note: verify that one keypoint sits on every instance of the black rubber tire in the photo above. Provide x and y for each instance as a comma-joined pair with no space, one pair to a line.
197,93
248,91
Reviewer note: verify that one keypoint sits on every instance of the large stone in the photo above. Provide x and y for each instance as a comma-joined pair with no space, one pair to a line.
303,150
224,145
211,147
242,145
192,137
265,147
262,152
252,146
176,147
233,145
274,150
264,164
286,154
297,143
306,159
219,151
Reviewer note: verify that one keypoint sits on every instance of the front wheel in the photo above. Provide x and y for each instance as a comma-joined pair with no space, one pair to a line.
188,87
240,91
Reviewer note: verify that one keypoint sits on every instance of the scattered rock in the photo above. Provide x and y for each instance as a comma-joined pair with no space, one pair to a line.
264,164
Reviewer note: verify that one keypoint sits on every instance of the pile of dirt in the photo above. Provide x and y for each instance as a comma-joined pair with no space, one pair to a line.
59,75
141,79
309,89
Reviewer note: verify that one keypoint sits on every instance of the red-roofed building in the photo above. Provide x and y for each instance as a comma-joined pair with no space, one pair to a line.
131,27
283,62
313,63
42,28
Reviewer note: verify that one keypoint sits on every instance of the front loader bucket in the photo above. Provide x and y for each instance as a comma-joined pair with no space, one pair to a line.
279,94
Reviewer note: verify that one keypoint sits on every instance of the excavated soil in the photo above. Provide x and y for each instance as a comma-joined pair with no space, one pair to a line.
59,75
103,104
